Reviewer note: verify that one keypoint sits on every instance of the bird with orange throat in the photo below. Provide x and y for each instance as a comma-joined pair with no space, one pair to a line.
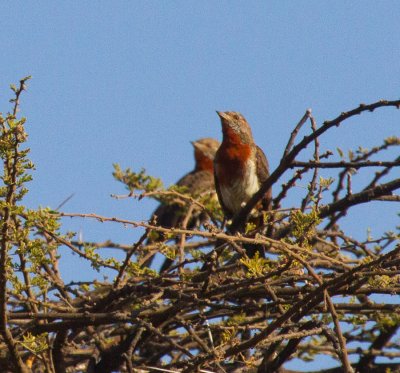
240,168
200,181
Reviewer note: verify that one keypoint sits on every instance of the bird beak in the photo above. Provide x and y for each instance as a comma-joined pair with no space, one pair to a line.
195,144
222,115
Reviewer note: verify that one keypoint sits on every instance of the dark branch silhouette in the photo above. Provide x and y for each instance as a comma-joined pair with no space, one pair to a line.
318,291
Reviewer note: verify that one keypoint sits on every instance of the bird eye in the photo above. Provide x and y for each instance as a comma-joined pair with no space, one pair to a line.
236,117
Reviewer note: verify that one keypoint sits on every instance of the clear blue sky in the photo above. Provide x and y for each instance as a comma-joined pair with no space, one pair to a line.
133,82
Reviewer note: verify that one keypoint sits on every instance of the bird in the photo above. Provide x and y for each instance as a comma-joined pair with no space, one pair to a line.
200,181
240,168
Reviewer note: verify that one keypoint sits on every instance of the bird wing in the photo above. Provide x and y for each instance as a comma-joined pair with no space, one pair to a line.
262,167
196,182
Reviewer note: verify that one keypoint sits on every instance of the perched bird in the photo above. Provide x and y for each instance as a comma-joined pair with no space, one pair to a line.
240,166
199,181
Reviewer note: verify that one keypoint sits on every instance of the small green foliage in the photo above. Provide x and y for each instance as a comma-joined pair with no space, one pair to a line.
381,281
169,236
182,189
236,319
325,183
266,217
21,252
256,266
169,252
359,320
37,255
285,307
366,260
93,256
233,322
35,343
386,321
112,262
154,236
40,282
136,180
304,225
174,197
392,140
44,218
134,269
250,227
16,285
227,335
195,253
84,287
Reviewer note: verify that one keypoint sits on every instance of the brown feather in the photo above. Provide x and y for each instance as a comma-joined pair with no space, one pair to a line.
263,174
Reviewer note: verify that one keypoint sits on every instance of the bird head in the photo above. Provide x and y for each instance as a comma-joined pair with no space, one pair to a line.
235,125
204,152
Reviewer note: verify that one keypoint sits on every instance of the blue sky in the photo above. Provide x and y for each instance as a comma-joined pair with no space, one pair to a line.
134,82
